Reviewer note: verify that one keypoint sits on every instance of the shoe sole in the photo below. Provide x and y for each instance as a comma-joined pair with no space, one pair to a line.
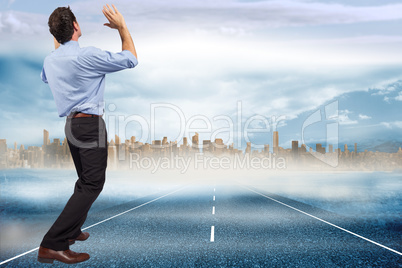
43,260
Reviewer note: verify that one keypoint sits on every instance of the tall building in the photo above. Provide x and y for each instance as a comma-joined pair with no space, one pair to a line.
355,148
65,147
112,155
157,143
295,148
303,148
330,148
206,146
185,141
116,140
345,148
3,146
276,139
164,141
46,140
266,148
195,141
276,142
248,148
319,148
219,146
219,143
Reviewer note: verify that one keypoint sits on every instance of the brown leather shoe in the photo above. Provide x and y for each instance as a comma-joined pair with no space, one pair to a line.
82,237
47,255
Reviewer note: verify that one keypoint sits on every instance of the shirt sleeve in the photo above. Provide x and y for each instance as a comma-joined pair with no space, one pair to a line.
105,62
43,76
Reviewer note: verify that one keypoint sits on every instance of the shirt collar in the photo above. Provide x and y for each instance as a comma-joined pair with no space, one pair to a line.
71,43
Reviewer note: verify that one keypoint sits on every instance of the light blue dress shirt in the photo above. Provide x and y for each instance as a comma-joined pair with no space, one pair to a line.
76,76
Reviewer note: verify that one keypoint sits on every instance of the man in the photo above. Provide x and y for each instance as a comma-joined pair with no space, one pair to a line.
76,77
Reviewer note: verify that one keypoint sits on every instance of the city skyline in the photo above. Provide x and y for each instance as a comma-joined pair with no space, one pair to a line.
57,155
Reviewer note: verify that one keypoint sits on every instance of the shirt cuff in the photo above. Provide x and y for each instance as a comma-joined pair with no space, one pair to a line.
131,57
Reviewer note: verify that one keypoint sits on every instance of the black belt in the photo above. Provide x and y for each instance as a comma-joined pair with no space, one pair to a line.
78,115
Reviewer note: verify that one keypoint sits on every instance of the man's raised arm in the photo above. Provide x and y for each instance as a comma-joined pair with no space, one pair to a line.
116,21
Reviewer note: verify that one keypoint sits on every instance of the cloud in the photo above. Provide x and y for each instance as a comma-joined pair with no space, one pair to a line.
392,125
227,17
257,14
343,118
22,23
399,97
387,88
364,117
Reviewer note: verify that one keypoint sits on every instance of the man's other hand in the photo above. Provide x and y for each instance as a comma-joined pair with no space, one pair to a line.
115,18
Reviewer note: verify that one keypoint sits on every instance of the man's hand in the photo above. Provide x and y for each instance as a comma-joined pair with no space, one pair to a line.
116,21
115,18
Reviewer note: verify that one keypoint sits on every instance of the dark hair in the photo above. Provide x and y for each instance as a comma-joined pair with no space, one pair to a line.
61,24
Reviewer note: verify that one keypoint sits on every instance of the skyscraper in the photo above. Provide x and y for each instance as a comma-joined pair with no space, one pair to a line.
319,148
330,148
116,140
295,148
46,140
276,139
248,148
303,148
164,141
206,146
194,141
3,146
266,148
276,142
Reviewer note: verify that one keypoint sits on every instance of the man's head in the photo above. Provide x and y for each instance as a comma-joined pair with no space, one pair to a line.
63,25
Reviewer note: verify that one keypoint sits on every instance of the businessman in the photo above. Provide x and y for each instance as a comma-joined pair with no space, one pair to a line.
76,77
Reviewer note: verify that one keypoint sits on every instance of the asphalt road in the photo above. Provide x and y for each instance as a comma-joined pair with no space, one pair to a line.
224,226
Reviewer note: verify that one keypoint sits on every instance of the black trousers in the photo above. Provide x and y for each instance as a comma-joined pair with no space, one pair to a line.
87,139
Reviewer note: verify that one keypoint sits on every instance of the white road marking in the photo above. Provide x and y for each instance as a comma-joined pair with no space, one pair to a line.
16,257
213,210
214,198
29,251
336,226
212,233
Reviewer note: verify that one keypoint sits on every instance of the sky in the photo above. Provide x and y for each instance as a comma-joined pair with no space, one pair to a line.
215,66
